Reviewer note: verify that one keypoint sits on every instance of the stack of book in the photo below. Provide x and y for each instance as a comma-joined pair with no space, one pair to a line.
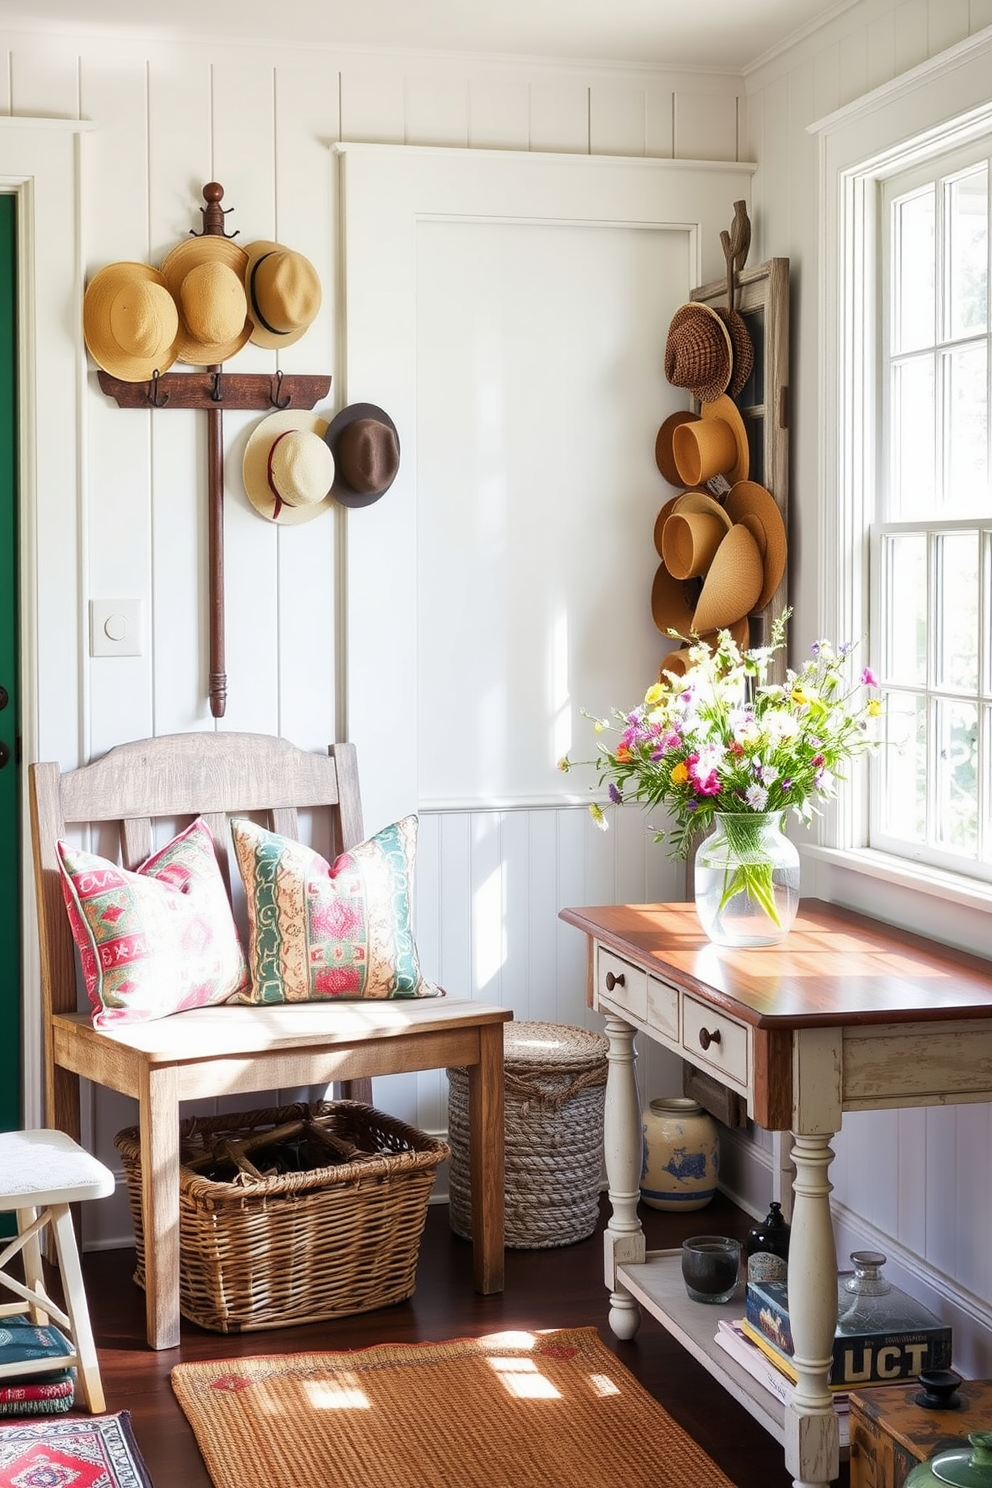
36,1391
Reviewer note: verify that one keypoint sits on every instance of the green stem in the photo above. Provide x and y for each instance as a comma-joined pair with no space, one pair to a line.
752,873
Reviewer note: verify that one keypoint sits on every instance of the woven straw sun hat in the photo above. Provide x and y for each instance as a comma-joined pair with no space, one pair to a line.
366,449
130,321
288,467
732,584
283,293
743,349
699,353
754,507
714,445
673,602
678,662
205,276
693,531
663,454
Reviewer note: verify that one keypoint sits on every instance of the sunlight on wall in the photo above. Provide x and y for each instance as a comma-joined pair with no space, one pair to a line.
489,929
561,697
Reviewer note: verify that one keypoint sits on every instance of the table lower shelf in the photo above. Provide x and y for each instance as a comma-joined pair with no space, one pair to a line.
656,1283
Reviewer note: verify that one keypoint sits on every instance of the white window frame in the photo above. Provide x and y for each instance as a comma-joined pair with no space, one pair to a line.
936,107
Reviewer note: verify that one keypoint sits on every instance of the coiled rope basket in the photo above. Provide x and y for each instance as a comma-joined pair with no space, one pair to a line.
554,1094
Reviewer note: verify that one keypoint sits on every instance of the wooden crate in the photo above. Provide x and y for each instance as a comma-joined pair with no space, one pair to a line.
890,1433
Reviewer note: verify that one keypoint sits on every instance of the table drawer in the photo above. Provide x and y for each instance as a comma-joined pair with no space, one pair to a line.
663,1008
712,1039
621,985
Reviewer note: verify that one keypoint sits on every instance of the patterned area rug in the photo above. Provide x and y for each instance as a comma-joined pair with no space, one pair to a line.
511,1410
76,1452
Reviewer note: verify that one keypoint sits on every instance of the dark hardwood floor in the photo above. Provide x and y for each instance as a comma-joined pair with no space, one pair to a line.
561,1287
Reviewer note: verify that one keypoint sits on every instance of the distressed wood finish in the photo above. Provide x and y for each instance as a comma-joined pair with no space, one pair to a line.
233,1049
845,1014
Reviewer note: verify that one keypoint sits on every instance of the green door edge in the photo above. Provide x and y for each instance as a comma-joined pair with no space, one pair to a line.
10,834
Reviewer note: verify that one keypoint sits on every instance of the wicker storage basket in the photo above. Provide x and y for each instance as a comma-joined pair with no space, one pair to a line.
554,1090
297,1247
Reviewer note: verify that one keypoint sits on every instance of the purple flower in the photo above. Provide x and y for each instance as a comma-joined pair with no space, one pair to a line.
616,794
785,786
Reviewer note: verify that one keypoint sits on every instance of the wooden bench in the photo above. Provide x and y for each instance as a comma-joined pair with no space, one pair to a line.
233,1049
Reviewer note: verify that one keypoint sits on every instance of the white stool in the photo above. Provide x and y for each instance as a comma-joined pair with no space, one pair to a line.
41,1174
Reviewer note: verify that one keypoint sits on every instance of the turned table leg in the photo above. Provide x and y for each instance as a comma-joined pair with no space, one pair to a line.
811,1430
622,1141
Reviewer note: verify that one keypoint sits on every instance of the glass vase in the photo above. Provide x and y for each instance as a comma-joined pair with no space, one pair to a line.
747,880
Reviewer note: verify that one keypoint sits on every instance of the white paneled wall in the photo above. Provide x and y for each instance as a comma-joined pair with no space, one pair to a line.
166,118
916,1184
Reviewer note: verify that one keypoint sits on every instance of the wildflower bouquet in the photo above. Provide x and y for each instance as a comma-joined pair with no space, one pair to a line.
724,740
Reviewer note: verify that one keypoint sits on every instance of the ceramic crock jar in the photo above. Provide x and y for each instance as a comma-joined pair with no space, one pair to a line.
681,1154
963,1467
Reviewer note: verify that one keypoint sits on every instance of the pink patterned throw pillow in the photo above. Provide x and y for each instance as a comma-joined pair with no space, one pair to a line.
327,931
156,941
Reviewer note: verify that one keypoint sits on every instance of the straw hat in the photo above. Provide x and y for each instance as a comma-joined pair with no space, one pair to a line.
677,662
205,276
755,508
693,531
366,449
699,354
283,294
673,602
732,584
130,321
740,340
288,467
663,456
714,445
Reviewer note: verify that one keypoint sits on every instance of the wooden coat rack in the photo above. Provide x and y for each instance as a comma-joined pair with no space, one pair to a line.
212,389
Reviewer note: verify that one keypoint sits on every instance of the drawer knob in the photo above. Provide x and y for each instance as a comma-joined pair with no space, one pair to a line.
706,1038
614,981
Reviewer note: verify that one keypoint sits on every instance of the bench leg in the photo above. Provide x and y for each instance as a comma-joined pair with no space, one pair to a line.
159,1126
87,1367
486,1159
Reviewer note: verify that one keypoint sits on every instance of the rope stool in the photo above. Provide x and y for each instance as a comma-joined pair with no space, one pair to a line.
555,1090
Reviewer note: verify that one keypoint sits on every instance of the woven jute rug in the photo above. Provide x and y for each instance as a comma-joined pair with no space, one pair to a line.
511,1410
64,1452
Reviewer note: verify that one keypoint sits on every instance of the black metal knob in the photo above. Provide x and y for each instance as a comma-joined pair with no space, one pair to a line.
4,753
706,1038
614,981
4,698
939,1391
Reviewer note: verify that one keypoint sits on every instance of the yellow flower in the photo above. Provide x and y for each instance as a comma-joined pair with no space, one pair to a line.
654,694
680,773
599,727
564,764
874,708
596,812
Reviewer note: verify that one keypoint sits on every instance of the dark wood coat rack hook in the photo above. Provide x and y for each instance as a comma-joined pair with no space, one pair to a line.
212,389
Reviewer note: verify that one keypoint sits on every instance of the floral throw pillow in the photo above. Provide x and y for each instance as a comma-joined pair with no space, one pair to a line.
156,941
325,931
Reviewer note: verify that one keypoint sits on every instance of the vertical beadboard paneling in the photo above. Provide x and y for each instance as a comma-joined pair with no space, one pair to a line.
498,113
556,967
559,115
437,111
826,82
45,77
659,121
705,126
520,957
911,34
617,118
853,55
373,106
880,41
979,15
949,22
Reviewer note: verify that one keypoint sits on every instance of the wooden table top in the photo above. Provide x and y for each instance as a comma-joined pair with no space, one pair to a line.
835,967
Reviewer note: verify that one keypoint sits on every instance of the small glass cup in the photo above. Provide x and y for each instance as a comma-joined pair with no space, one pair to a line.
710,1267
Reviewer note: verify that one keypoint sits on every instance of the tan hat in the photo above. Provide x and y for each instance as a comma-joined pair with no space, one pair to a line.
366,449
130,321
673,602
732,584
699,354
205,276
283,294
663,456
714,446
678,663
756,508
696,526
288,467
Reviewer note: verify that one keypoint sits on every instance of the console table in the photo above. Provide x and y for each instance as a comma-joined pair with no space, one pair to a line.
846,1014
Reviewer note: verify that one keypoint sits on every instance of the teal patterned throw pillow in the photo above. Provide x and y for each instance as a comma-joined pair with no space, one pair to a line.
322,931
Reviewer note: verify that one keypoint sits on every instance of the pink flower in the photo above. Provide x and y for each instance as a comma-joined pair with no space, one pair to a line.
868,678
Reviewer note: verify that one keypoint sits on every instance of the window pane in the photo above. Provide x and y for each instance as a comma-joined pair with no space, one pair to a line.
957,601
967,213
910,489
956,786
904,767
904,608
913,316
966,431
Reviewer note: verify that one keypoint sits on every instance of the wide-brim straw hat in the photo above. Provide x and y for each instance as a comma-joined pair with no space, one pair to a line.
713,446
743,349
663,454
694,529
130,321
754,507
288,467
366,449
699,353
732,584
205,275
678,661
283,293
673,602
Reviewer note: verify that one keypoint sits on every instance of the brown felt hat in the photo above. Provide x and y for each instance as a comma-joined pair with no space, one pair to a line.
283,293
288,467
366,449
755,508
732,584
699,354
714,445
130,321
205,276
